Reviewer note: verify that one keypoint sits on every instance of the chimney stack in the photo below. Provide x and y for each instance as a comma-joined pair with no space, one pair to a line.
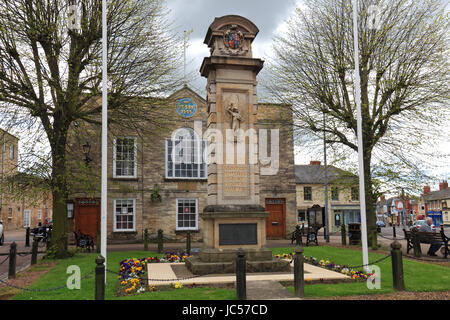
426,189
443,185
314,163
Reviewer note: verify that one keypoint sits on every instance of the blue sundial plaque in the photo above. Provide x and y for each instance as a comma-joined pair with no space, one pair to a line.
186,107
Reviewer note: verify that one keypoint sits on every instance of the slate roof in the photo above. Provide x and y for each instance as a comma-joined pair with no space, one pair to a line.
315,174
437,195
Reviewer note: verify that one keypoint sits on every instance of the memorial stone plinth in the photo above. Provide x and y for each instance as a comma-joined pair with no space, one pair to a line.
233,217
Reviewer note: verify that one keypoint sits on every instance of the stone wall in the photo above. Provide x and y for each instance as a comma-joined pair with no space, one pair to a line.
151,172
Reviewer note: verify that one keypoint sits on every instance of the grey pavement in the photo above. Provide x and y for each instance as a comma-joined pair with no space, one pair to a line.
22,261
268,290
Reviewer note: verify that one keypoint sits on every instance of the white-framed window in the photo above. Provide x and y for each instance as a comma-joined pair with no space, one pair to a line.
184,155
26,218
11,151
39,215
187,214
125,157
124,215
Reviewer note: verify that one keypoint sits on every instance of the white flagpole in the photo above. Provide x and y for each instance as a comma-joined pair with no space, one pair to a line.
362,197
104,195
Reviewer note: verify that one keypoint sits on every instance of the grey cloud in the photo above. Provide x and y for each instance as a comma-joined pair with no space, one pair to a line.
199,14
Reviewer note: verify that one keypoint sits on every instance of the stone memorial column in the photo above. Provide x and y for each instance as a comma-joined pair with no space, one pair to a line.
233,217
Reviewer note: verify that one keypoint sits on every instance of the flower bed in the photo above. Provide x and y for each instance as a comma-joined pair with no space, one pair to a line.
133,271
354,274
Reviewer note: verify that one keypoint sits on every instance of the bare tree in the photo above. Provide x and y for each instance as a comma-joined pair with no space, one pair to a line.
50,74
404,79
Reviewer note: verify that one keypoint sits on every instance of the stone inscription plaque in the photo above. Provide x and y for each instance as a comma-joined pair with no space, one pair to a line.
236,181
238,234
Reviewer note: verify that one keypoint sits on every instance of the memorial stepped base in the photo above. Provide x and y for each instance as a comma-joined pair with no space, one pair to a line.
219,261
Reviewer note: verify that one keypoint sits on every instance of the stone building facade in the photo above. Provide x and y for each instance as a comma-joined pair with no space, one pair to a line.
343,194
146,190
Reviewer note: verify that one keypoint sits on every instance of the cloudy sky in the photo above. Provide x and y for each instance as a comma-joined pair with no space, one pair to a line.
268,15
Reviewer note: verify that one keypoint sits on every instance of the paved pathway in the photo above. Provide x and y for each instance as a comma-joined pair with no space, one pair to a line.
164,272
268,290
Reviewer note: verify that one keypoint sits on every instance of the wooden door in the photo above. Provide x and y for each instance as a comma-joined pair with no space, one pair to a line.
87,216
276,222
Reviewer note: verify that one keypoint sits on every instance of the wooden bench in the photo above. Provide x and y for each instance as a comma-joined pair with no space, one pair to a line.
84,241
427,237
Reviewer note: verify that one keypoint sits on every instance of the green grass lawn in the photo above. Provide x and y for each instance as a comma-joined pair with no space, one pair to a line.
418,277
58,276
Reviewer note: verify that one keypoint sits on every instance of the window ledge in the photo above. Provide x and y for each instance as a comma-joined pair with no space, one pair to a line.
125,178
186,179
184,231
125,232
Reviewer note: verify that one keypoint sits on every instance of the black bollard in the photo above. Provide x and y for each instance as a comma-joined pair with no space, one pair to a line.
188,242
160,241
34,251
145,240
343,235
393,231
99,241
48,240
298,236
100,278
241,270
12,261
27,237
416,243
299,273
397,266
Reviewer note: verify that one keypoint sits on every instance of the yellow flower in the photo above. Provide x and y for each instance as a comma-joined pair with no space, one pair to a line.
178,285
308,279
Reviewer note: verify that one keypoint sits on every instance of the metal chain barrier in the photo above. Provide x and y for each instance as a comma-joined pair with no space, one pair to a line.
392,239
43,290
365,265
7,257
355,267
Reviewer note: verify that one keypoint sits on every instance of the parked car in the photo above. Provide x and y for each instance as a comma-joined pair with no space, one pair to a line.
2,236
381,224
420,223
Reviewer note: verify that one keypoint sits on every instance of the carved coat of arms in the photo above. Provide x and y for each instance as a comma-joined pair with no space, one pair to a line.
234,41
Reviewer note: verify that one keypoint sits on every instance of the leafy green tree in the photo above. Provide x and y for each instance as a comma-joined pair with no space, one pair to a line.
404,70
51,76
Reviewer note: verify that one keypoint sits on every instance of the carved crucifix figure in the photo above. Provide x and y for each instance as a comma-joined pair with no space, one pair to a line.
233,109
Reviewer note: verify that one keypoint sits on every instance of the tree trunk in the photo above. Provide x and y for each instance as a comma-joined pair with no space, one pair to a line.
370,201
59,191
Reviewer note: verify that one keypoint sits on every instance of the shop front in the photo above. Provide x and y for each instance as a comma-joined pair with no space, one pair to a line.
436,216
343,215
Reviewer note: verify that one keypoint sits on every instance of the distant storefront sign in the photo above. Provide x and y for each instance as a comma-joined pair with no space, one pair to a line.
436,216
